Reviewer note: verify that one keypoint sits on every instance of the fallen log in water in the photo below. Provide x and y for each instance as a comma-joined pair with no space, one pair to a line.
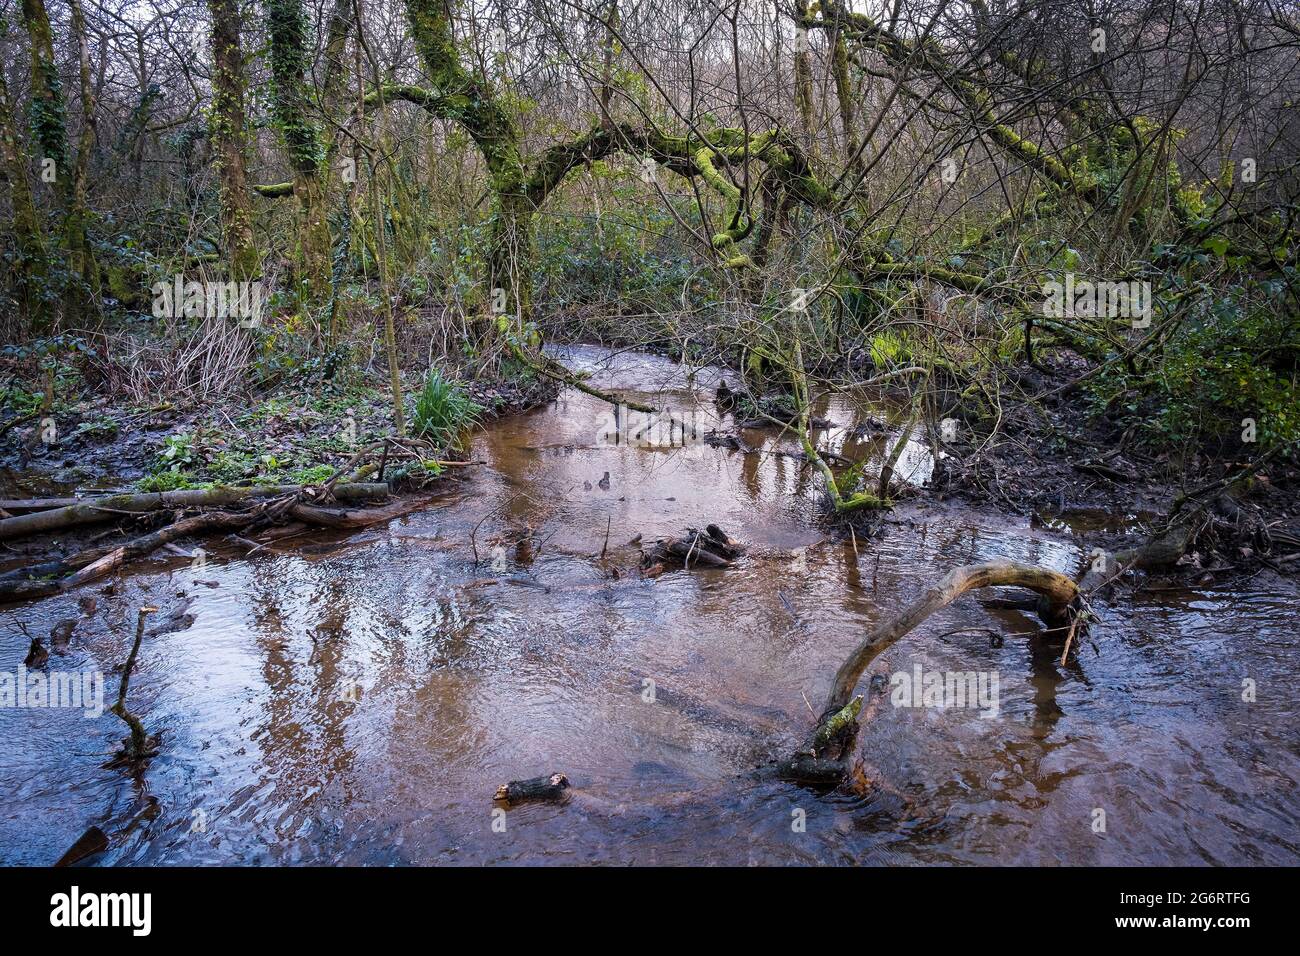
823,758
62,576
549,787
25,588
710,548
108,507
351,518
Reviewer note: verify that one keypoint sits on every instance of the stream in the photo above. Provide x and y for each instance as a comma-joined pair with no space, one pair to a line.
356,699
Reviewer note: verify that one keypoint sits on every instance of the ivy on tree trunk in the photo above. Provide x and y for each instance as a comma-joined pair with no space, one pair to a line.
287,29
229,130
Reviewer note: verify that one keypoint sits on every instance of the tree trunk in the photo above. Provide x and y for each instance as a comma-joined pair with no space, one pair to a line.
29,235
81,258
229,130
497,136
803,79
47,108
510,260
287,28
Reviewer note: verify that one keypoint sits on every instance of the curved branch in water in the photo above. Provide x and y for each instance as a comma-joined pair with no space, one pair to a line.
823,758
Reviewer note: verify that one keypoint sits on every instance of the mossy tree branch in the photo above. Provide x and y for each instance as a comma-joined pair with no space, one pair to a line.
865,33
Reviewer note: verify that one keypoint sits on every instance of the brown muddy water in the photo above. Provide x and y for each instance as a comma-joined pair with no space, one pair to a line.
357,700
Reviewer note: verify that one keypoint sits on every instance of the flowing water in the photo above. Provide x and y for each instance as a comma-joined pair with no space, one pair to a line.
357,699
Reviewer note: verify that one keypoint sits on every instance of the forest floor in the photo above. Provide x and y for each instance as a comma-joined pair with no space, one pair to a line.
298,433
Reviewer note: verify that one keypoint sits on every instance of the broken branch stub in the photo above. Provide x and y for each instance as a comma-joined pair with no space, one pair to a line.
138,746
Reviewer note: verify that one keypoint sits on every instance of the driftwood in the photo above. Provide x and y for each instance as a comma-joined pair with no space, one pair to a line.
56,577
94,510
708,548
823,758
1160,551
549,787
355,517
19,588
38,504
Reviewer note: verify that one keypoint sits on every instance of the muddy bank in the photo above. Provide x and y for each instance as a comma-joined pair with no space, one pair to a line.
86,442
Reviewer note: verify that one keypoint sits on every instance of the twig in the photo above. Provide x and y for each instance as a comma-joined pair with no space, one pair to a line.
138,746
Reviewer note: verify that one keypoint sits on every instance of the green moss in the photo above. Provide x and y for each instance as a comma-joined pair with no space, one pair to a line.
314,475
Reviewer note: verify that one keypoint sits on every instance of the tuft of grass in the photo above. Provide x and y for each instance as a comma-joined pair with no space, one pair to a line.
443,410
167,481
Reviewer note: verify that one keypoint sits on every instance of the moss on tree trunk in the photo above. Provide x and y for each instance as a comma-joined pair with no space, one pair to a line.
471,101
48,114
287,29
29,234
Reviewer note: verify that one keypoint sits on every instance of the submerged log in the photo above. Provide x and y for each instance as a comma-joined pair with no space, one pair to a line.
106,508
93,841
823,758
